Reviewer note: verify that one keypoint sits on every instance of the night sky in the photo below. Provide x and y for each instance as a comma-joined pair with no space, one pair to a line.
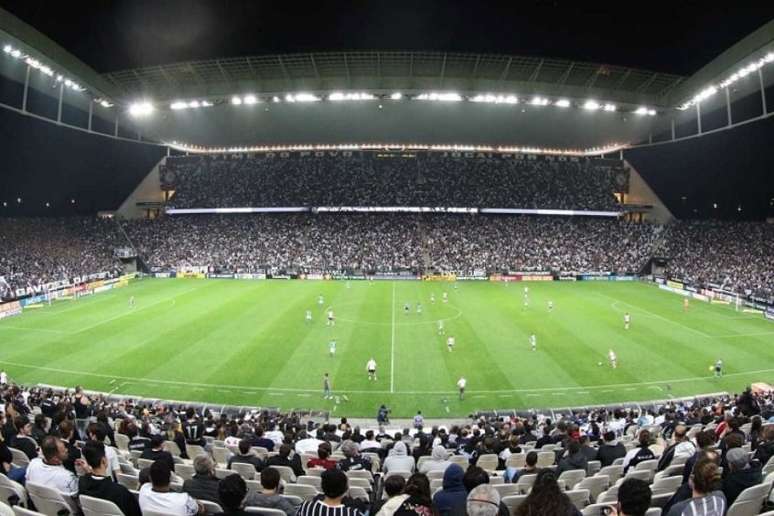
676,37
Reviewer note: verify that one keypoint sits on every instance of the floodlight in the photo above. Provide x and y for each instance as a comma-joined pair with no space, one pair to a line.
609,107
236,100
396,96
194,104
140,109
563,103
178,105
16,53
8,49
591,105
539,101
250,100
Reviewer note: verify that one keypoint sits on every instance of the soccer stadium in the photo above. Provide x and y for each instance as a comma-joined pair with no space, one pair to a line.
378,261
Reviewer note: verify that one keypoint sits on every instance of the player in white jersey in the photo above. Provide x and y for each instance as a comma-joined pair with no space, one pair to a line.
627,320
550,306
533,342
320,300
445,297
331,318
526,301
461,383
612,359
719,368
332,347
308,317
419,308
131,302
432,299
371,368
441,329
526,291
450,342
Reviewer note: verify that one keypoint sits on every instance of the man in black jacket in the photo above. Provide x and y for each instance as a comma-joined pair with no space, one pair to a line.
742,474
203,485
246,456
193,428
156,452
283,459
98,484
610,450
23,439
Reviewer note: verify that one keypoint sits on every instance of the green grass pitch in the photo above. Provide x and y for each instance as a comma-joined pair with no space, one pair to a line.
246,343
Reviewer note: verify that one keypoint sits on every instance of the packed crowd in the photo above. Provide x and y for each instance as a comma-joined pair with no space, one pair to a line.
35,251
79,444
737,256
367,179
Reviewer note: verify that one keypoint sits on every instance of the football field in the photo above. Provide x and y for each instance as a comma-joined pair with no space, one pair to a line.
247,343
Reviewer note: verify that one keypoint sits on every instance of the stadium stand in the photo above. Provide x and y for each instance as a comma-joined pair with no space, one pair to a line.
718,425
367,179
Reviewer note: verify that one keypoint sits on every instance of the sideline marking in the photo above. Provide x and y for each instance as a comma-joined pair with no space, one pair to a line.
392,344
617,302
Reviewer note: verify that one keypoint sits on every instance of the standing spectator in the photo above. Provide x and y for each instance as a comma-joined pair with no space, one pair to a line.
706,497
334,487
419,420
155,496
99,484
203,485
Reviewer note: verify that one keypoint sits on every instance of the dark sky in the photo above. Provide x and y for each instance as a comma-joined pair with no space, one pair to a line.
677,37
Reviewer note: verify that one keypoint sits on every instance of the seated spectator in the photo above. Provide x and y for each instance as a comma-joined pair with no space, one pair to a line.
546,498
283,459
574,458
246,456
6,462
353,461
49,471
96,432
66,433
334,487
474,477
681,448
634,497
369,443
545,438
484,500
705,441
270,495
23,440
742,474
706,497
610,450
232,491
322,460
588,451
307,444
451,498
417,501
203,485
530,467
261,440
157,453
393,487
765,449
398,460
39,428
98,482
137,442
157,497
640,453
439,460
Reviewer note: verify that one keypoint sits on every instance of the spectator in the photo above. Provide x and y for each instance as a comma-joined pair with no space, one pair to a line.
765,449
546,498
322,460
706,497
682,447
96,432
334,487
156,496
588,451
203,485
270,495
246,456
393,487
439,461
610,450
23,440
634,497
483,501
451,499
417,501
530,467
369,443
261,441
742,474
398,460
705,441
639,454
353,461
49,471
98,483
283,459
157,453
574,458
232,491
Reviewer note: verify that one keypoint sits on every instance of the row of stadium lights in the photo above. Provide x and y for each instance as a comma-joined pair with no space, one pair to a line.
145,108
19,201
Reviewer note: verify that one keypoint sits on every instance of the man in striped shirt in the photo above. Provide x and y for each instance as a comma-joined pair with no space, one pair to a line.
707,499
334,487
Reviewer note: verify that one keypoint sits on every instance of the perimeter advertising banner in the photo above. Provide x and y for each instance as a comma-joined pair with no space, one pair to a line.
769,313
10,309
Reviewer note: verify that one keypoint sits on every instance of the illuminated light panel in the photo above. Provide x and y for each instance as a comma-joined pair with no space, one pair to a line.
562,103
591,105
440,97
339,96
609,107
236,101
250,100
490,98
141,109
396,96
178,105
538,101
642,110
301,97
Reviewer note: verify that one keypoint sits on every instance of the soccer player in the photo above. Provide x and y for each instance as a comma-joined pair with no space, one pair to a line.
550,306
371,368
445,297
331,318
406,308
526,291
320,300
327,386
719,368
308,317
685,304
450,342
441,329
461,386
533,342
432,299
627,320
612,359
526,301
332,347
131,302
419,308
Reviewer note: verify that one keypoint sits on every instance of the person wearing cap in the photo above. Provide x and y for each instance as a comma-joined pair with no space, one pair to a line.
742,474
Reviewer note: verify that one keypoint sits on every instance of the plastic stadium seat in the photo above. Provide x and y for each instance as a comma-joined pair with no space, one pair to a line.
358,493
144,463
173,448
221,455
21,511
222,472
313,481
313,472
750,500
245,470
404,474
545,459
98,507
488,462
653,511
578,497
595,509
10,489
259,510
20,458
122,441
436,483
666,484
185,471
507,489
670,471
431,475
618,462
660,500
642,474
260,451
361,473
305,492
613,473
593,467
286,473
649,466
461,461
596,485
211,507
154,513
129,481
513,502
194,450
525,482
49,501
496,480
359,482
516,460
609,496
571,477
